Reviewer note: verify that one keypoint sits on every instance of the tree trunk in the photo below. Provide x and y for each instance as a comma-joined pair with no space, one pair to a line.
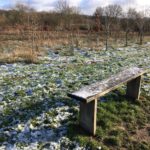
106,40
126,38
141,37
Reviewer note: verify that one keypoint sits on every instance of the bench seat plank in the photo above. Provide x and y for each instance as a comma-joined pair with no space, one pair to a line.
90,92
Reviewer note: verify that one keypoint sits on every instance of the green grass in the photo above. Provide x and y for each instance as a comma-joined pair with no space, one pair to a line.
118,119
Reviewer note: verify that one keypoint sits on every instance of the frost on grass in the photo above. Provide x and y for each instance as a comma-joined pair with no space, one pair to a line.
34,110
99,87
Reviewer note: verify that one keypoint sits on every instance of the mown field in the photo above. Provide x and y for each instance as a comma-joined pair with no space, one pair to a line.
35,112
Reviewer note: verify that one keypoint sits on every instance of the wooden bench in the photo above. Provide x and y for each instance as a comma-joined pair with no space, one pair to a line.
88,95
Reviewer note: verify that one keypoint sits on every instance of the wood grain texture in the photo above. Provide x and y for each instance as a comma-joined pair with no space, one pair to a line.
88,113
133,88
95,90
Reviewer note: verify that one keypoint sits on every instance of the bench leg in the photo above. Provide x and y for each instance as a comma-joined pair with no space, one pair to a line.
133,88
88,112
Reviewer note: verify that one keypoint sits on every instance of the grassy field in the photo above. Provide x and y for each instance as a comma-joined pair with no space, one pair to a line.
25,46
35,112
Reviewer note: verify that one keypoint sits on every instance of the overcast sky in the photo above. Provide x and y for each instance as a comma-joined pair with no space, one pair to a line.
87,6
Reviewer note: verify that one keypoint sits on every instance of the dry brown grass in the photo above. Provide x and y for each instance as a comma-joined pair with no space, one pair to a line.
27,46
26,55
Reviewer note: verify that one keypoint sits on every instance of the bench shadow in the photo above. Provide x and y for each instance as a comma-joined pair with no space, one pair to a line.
45,133
11,119
116,95
39,134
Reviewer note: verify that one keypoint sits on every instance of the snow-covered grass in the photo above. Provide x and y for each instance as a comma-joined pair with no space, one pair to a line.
35,112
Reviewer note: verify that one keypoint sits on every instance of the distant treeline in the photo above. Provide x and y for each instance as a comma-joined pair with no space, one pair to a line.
108,19
67,18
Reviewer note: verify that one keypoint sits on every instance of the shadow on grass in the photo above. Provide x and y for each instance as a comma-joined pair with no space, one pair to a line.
118,118
42,133
112,112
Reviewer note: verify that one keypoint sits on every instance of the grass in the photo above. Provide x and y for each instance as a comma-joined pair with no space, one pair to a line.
16,47
25,47
19,55
118,121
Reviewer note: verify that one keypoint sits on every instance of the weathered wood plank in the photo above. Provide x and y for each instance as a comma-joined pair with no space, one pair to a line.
133,88
88,112
93,91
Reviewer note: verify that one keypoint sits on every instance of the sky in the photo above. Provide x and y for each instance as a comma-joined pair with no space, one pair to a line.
86,6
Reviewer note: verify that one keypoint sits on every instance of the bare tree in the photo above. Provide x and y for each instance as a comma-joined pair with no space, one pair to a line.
111,14
138,18
98,18
128,23
62,6
23,7
2,19
98,15
140,22
66,12
147,22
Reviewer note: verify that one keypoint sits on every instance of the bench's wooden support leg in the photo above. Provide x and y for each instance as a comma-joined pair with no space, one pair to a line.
133,88
88,112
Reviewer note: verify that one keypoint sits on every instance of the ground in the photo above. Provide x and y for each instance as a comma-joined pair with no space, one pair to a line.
35,112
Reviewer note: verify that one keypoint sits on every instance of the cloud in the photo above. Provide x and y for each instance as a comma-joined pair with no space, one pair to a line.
44,5
47,5
87,6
